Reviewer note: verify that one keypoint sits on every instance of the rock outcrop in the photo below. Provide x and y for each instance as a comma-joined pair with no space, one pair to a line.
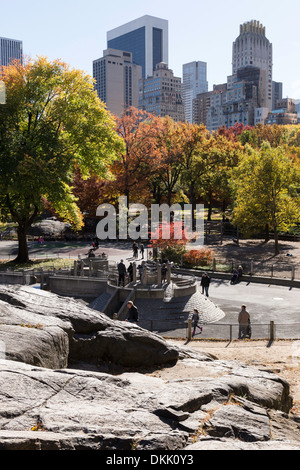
68,405
46,330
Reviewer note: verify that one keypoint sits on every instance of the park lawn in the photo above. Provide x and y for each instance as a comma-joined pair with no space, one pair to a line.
49,263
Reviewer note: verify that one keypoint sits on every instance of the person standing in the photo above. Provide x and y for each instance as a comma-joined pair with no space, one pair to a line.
142,249
244,320
205,283
122,273
130,271
135,250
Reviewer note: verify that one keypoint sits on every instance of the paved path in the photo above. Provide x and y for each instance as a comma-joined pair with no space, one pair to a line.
265,303
68,250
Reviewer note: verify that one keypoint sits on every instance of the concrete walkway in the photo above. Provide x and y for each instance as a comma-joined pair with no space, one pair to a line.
68,250
264,302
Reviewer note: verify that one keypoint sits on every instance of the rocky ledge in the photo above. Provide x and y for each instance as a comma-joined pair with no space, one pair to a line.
71,378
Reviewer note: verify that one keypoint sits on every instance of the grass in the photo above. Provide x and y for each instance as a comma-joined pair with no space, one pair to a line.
224,268
57,263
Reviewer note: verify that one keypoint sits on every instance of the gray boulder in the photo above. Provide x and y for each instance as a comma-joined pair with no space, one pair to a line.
80,409
54,396
46,330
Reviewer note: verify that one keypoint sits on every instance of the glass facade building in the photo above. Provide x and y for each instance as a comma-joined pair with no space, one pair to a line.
10,49
146,38
194,83
133,42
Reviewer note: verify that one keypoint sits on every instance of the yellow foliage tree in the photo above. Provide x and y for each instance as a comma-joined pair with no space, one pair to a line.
266,191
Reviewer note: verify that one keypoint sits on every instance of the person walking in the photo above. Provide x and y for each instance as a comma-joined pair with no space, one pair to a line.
133,313
135,250
205,283
142,249
244,320
164,272
195,321
122,273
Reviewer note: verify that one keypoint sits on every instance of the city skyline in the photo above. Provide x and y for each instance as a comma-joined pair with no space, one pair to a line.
77,35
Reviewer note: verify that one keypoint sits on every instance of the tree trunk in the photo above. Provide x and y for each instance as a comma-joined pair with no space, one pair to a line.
193,204
267,233
276,240
209,214
23,256
224,206
169,196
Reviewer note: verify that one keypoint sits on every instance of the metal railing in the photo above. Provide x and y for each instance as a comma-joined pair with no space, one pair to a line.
277,270
222,331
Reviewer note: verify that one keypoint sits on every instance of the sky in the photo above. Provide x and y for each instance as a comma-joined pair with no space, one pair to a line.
75,31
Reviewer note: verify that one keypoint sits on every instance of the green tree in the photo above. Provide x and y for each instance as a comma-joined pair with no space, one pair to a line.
265,195
193,142
52,123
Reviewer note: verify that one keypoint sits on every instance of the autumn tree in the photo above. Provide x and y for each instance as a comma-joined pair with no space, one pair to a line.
170,238
275,134
193,141
265,193
90,193
207,161
168,157
132,167
52,123
222,156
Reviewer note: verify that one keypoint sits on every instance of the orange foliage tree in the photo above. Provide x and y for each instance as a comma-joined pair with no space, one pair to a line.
135,164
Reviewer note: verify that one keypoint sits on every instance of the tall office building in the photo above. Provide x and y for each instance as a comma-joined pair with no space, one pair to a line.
276,93
161,94
117,80
147,38
194,75
10,49
252,48
202,114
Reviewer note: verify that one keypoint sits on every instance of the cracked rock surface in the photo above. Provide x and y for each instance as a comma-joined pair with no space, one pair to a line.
227,405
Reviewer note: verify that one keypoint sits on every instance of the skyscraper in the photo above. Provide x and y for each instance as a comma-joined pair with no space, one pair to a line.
117,80
276,93
10,49
161,94
194,82
252,48
146,38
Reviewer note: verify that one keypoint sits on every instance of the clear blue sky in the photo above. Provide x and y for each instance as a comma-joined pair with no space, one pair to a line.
75,31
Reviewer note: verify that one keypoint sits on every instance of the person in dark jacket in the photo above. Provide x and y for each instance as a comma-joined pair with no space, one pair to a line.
122,273
195,321
205,283
133,313
130,271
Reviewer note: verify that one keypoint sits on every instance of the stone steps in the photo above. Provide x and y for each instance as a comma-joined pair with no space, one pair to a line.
100,303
